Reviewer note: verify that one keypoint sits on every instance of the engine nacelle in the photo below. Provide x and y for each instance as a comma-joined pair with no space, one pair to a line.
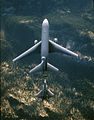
35,41
55,40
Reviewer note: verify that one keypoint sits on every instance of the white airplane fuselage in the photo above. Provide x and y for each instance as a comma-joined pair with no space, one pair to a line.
45,43
45,39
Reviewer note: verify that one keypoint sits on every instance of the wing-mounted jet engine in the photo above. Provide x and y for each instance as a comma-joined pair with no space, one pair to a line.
35,41
55,40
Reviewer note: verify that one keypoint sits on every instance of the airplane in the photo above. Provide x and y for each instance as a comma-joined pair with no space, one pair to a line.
45,93
45,46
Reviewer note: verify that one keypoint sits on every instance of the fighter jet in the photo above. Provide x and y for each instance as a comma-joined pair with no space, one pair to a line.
45,46
45,93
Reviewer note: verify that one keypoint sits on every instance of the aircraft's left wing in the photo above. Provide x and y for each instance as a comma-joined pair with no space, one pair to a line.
32,49
39,94
54,47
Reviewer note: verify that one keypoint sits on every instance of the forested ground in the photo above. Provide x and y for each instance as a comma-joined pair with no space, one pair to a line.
71,21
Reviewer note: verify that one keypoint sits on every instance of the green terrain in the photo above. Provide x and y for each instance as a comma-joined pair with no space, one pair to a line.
72,22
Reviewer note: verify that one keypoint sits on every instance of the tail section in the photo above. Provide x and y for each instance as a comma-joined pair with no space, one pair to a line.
53,68
51,94
41,67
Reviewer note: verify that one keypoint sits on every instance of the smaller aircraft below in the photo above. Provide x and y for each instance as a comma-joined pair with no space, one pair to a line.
45,93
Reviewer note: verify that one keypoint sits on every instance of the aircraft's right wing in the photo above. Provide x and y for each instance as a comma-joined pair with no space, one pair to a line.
54,47
32,49
50,93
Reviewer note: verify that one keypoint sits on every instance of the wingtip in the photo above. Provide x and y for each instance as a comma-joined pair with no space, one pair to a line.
13,60
77,55
29,72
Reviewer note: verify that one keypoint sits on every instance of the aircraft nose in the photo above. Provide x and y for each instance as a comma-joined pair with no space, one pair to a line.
45,22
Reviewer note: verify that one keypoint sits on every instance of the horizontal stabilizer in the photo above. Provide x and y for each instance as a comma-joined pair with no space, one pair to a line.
51,67
32,49
40,94
37,68
50,93
57,48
